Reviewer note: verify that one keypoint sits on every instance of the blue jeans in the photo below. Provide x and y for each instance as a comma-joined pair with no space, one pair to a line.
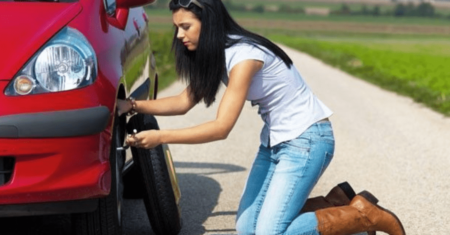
280,182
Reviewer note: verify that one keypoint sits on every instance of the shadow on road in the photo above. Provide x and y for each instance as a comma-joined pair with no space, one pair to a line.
208,168
36,225
199,197
200,194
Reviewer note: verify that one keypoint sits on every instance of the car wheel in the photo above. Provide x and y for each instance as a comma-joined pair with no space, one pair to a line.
107,219
159,198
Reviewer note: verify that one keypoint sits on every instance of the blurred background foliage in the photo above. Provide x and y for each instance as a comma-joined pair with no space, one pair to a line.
165,60
399,45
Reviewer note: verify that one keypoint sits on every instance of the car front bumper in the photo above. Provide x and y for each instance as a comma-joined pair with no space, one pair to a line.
58,155
56,169
67,123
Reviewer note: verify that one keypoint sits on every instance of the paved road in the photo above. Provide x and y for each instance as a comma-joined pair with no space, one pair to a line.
386,143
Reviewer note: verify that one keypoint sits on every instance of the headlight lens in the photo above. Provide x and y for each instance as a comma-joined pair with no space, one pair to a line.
60,68
66,62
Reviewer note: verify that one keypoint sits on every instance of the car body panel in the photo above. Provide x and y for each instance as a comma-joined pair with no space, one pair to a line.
23,34
54,169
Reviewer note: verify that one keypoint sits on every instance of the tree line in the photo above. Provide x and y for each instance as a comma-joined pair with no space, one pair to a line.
423,9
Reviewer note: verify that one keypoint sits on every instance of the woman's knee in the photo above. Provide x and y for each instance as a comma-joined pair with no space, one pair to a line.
269,227
245,226
245,230
264,231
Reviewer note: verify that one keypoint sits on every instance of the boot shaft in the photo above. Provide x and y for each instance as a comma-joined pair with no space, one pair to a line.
361,215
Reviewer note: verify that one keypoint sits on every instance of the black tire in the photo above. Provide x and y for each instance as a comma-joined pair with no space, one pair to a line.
159,197
107,219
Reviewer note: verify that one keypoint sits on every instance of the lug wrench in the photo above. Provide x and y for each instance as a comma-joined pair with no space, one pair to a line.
125,147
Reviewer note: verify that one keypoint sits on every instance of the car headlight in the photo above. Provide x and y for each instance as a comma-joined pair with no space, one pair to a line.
65,63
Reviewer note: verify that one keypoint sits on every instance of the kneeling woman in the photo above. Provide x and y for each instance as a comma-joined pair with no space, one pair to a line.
297,142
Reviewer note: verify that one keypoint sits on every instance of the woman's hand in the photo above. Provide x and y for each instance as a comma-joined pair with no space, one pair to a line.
144,139
123,106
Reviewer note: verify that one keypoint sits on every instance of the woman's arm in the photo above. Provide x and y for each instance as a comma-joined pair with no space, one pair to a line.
174,105
229,110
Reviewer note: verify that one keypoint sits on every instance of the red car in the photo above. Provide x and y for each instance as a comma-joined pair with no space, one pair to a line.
64,64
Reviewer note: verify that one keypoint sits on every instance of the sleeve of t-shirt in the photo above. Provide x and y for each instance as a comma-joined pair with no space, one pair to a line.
242,52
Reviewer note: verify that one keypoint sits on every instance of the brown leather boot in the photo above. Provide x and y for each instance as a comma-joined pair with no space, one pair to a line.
361,215
340,195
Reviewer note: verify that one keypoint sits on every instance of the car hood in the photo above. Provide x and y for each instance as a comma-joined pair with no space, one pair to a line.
25,27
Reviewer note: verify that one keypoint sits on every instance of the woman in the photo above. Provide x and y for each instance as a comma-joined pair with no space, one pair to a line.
297,141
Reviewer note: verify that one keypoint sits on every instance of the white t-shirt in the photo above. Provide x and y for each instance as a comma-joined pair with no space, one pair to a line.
286,104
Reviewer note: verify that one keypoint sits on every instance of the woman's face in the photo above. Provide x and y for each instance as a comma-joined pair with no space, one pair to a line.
188,26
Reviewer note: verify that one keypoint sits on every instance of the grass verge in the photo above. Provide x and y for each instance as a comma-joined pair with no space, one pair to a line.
418,69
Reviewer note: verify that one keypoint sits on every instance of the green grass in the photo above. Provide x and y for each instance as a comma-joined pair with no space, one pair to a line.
350,36
342,18
157,12
135,69
332,6
165,61
411,67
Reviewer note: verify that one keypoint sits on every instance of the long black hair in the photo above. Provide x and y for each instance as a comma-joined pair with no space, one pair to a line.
204,68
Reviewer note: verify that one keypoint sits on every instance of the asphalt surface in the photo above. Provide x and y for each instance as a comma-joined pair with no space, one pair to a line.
385,143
